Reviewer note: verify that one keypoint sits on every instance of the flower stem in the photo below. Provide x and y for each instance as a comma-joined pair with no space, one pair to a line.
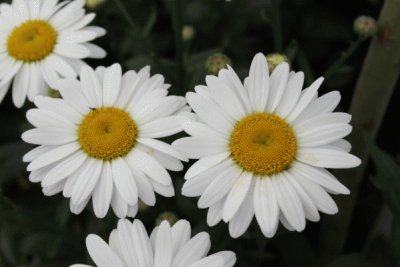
136,30
373,91
177,26
277,26
344,56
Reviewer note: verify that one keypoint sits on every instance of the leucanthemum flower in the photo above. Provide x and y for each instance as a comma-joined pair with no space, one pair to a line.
129,245
99,141
40,41
263,148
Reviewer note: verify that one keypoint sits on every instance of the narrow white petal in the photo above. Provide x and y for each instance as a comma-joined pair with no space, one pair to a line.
327,158
320,176
162,147
163,127
95,51
214,213
228,256
21,85
291,95
180,235
111,84
125,237
197,247
71,91
142,245
119,206
323,135
49,136
237,195
91,87
86,182
289,202
220,187
163,248
209,113
149,166
279,79
197,147
124,181
209,261
101,253
72,50
102,193
60,66
305,99
242,219
52,156
258,83
144,187
204,164
266,207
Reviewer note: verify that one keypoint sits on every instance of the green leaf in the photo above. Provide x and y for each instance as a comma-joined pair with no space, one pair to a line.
387,178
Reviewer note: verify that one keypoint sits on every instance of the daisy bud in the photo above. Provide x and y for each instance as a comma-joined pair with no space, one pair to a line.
94,3
188,33
365,26
274,60
216,62
168,216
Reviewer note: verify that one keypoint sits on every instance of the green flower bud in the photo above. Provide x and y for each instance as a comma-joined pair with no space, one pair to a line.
216,62
167,216
188,33
94,3
365,26
274,60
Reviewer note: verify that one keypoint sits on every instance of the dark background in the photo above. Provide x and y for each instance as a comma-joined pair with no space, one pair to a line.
40,231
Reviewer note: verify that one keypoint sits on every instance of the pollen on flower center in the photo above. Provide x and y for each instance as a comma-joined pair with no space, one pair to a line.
107,133
32,41
263,143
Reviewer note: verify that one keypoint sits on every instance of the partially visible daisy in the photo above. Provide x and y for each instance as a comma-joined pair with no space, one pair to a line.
100,141
41,41
263,148
129,245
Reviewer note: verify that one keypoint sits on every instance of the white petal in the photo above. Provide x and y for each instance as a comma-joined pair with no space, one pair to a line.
142,245
102,193
76,36
291,95
162,147
111,84
125,237
242,219
71,91
289,202
225,98
163,248
214,213
60,66
49,136
21,85
266,206
124,181
323,135
320,176
323,104
144,187
321,198
196,147
101,253
221,185
327,158
305,99
95,51
91,86
197,247
52,156
87,180
204,164
209,113
119,206
228,256
64,168
180,235
163,127
210,261
149,166
258,83
72,50
279,78
237,195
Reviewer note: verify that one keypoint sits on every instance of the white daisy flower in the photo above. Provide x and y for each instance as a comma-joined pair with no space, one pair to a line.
129,245
99,141
263,149
40,41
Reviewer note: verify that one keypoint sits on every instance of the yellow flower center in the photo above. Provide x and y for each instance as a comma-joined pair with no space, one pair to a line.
107,133
32,41
263,143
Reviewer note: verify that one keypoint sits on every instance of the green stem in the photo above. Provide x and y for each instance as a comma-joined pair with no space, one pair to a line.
277,25
136,30
371,97
177,26
344,56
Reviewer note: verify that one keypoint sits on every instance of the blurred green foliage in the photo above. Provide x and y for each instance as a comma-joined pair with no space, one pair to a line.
40,231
